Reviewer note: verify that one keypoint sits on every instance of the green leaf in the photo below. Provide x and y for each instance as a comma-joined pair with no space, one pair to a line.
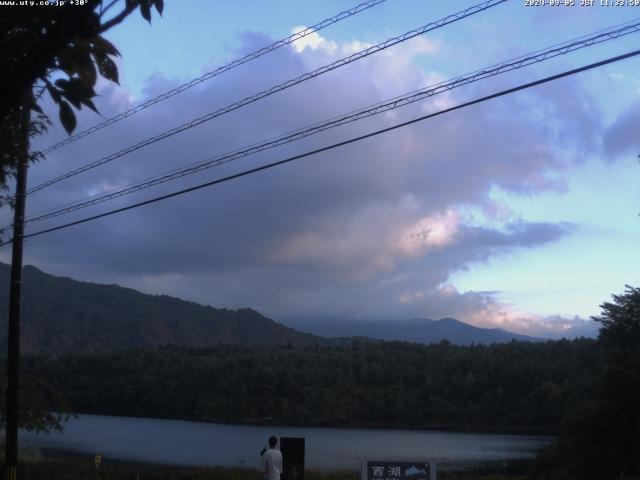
62,83
145,10
65,65
36,107
67,117
55,95
77,92
74,58
73,96
108,69
104,45
89,103
88,75
159,6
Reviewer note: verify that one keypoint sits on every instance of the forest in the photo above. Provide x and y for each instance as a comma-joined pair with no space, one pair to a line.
584,391
515,387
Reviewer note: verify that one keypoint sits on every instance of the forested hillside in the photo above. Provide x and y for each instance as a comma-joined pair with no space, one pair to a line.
515,387
64,315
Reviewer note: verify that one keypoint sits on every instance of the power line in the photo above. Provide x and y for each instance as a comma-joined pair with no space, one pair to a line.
265,93
397,102
339,144
225,68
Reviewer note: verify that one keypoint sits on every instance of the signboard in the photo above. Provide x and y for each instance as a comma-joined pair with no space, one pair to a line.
98,460
292,458
392,470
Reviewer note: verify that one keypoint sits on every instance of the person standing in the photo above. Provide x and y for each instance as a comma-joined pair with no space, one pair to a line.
272,460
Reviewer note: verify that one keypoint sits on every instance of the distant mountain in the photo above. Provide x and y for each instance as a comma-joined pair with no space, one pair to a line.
64,315
587,329
415,330
61,315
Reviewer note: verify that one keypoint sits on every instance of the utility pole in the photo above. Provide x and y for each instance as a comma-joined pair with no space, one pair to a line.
13,351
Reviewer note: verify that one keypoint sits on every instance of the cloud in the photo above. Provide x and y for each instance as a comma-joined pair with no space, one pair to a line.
373,229
622,137
312,41
489,313
428,233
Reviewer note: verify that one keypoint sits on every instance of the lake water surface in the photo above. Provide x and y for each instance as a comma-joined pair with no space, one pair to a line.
205,444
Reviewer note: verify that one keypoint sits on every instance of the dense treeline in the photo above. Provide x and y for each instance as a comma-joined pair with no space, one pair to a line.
515,387
586,391
62,315
600,437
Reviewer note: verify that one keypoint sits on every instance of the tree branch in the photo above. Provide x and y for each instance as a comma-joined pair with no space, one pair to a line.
118,18
104,10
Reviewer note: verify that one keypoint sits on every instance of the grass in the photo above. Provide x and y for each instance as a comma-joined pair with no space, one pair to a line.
36,467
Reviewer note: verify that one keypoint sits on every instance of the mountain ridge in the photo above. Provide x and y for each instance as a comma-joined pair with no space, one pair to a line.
63,315
415,330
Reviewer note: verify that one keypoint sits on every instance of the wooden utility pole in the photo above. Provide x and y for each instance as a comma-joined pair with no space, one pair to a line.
13,351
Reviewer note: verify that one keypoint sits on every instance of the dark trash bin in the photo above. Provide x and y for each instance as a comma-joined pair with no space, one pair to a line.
292,458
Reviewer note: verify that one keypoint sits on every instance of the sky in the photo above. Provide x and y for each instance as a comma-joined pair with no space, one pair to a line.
519,213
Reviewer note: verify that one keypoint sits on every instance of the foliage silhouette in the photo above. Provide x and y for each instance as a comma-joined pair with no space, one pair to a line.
58,50
516,387
601,438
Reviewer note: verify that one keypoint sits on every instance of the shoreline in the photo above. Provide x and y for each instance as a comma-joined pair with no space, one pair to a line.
73,466
252,423
484,467
199,444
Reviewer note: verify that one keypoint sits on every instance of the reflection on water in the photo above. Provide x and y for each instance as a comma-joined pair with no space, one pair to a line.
205,444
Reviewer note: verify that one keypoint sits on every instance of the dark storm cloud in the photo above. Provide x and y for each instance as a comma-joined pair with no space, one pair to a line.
622,137
411,288
372,227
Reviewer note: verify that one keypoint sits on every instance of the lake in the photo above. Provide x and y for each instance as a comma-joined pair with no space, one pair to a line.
205,444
